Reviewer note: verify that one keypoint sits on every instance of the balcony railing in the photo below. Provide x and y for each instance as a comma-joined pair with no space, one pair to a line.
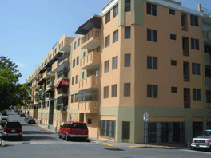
207,83
91,40
90,82
88,107
207,59
91,61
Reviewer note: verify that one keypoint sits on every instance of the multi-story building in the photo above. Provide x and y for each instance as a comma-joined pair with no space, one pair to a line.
137,56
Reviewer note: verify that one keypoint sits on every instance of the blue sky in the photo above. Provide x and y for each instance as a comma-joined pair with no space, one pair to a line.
30,28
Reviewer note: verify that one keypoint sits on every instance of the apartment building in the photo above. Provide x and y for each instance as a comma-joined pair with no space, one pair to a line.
137,56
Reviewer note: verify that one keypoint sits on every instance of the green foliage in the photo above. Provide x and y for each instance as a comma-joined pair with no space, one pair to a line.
58,107
10,91
37,97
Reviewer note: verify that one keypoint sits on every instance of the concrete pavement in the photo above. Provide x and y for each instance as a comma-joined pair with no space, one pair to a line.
129,145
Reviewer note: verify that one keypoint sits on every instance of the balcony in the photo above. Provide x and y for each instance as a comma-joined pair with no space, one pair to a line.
92,39
63,108
207,59
206,35
207,83
45,75
88,107
91,61
55,66
90,82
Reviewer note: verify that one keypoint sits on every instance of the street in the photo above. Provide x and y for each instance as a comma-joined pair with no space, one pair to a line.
39,143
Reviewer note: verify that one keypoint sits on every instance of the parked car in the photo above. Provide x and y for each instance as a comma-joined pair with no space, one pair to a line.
30,120
22,114
4,120
26,118
4,113
73,129
12,129
19,111
203,141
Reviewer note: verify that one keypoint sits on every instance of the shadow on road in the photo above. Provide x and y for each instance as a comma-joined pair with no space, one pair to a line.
29,138
37,132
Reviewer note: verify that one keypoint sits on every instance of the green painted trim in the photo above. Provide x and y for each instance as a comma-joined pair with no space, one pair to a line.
72,110
74,92
109,111
121,12
137,12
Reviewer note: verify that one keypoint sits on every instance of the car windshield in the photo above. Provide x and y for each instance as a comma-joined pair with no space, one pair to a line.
206,133
4,118
79,126
13,125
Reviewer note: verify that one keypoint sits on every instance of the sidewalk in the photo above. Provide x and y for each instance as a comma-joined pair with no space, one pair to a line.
129,145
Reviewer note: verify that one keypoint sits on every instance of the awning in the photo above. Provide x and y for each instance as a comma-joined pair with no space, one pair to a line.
94,22
62,83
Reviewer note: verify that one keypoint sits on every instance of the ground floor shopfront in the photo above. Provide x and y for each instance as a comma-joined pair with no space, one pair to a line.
126,124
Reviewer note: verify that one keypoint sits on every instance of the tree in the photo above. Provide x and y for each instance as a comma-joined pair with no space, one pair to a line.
9,89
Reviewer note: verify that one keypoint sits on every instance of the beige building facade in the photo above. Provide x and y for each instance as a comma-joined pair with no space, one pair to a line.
137,56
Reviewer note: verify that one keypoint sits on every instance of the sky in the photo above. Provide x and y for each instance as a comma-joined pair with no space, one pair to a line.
30,28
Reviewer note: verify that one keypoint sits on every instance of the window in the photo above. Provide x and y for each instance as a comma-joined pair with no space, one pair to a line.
74,45
127,32
173,89
196,94
115,11
114,64
107,17
114,90
108,128
171,11
194,43
89,121
194,20
115,36
151,62
106,66
76,79
72,80
127,90
79,41
84,54
76,97
152,35
152,91
196,69
173,36
72,98
78,60
82,75
107,41
151,9
127,60
74,63
127,5
106,91
174,62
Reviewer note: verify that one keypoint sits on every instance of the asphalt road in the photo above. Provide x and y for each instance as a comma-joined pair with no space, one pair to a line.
38,143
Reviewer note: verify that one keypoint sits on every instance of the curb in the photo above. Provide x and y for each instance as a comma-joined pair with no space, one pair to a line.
42,127
147,146
106,144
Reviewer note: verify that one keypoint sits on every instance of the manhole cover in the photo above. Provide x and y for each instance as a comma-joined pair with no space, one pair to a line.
114,149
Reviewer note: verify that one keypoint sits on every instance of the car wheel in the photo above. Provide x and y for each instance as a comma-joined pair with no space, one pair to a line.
59,135
66,137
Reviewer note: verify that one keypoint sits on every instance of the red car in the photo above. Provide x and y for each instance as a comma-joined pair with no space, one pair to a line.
73,129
